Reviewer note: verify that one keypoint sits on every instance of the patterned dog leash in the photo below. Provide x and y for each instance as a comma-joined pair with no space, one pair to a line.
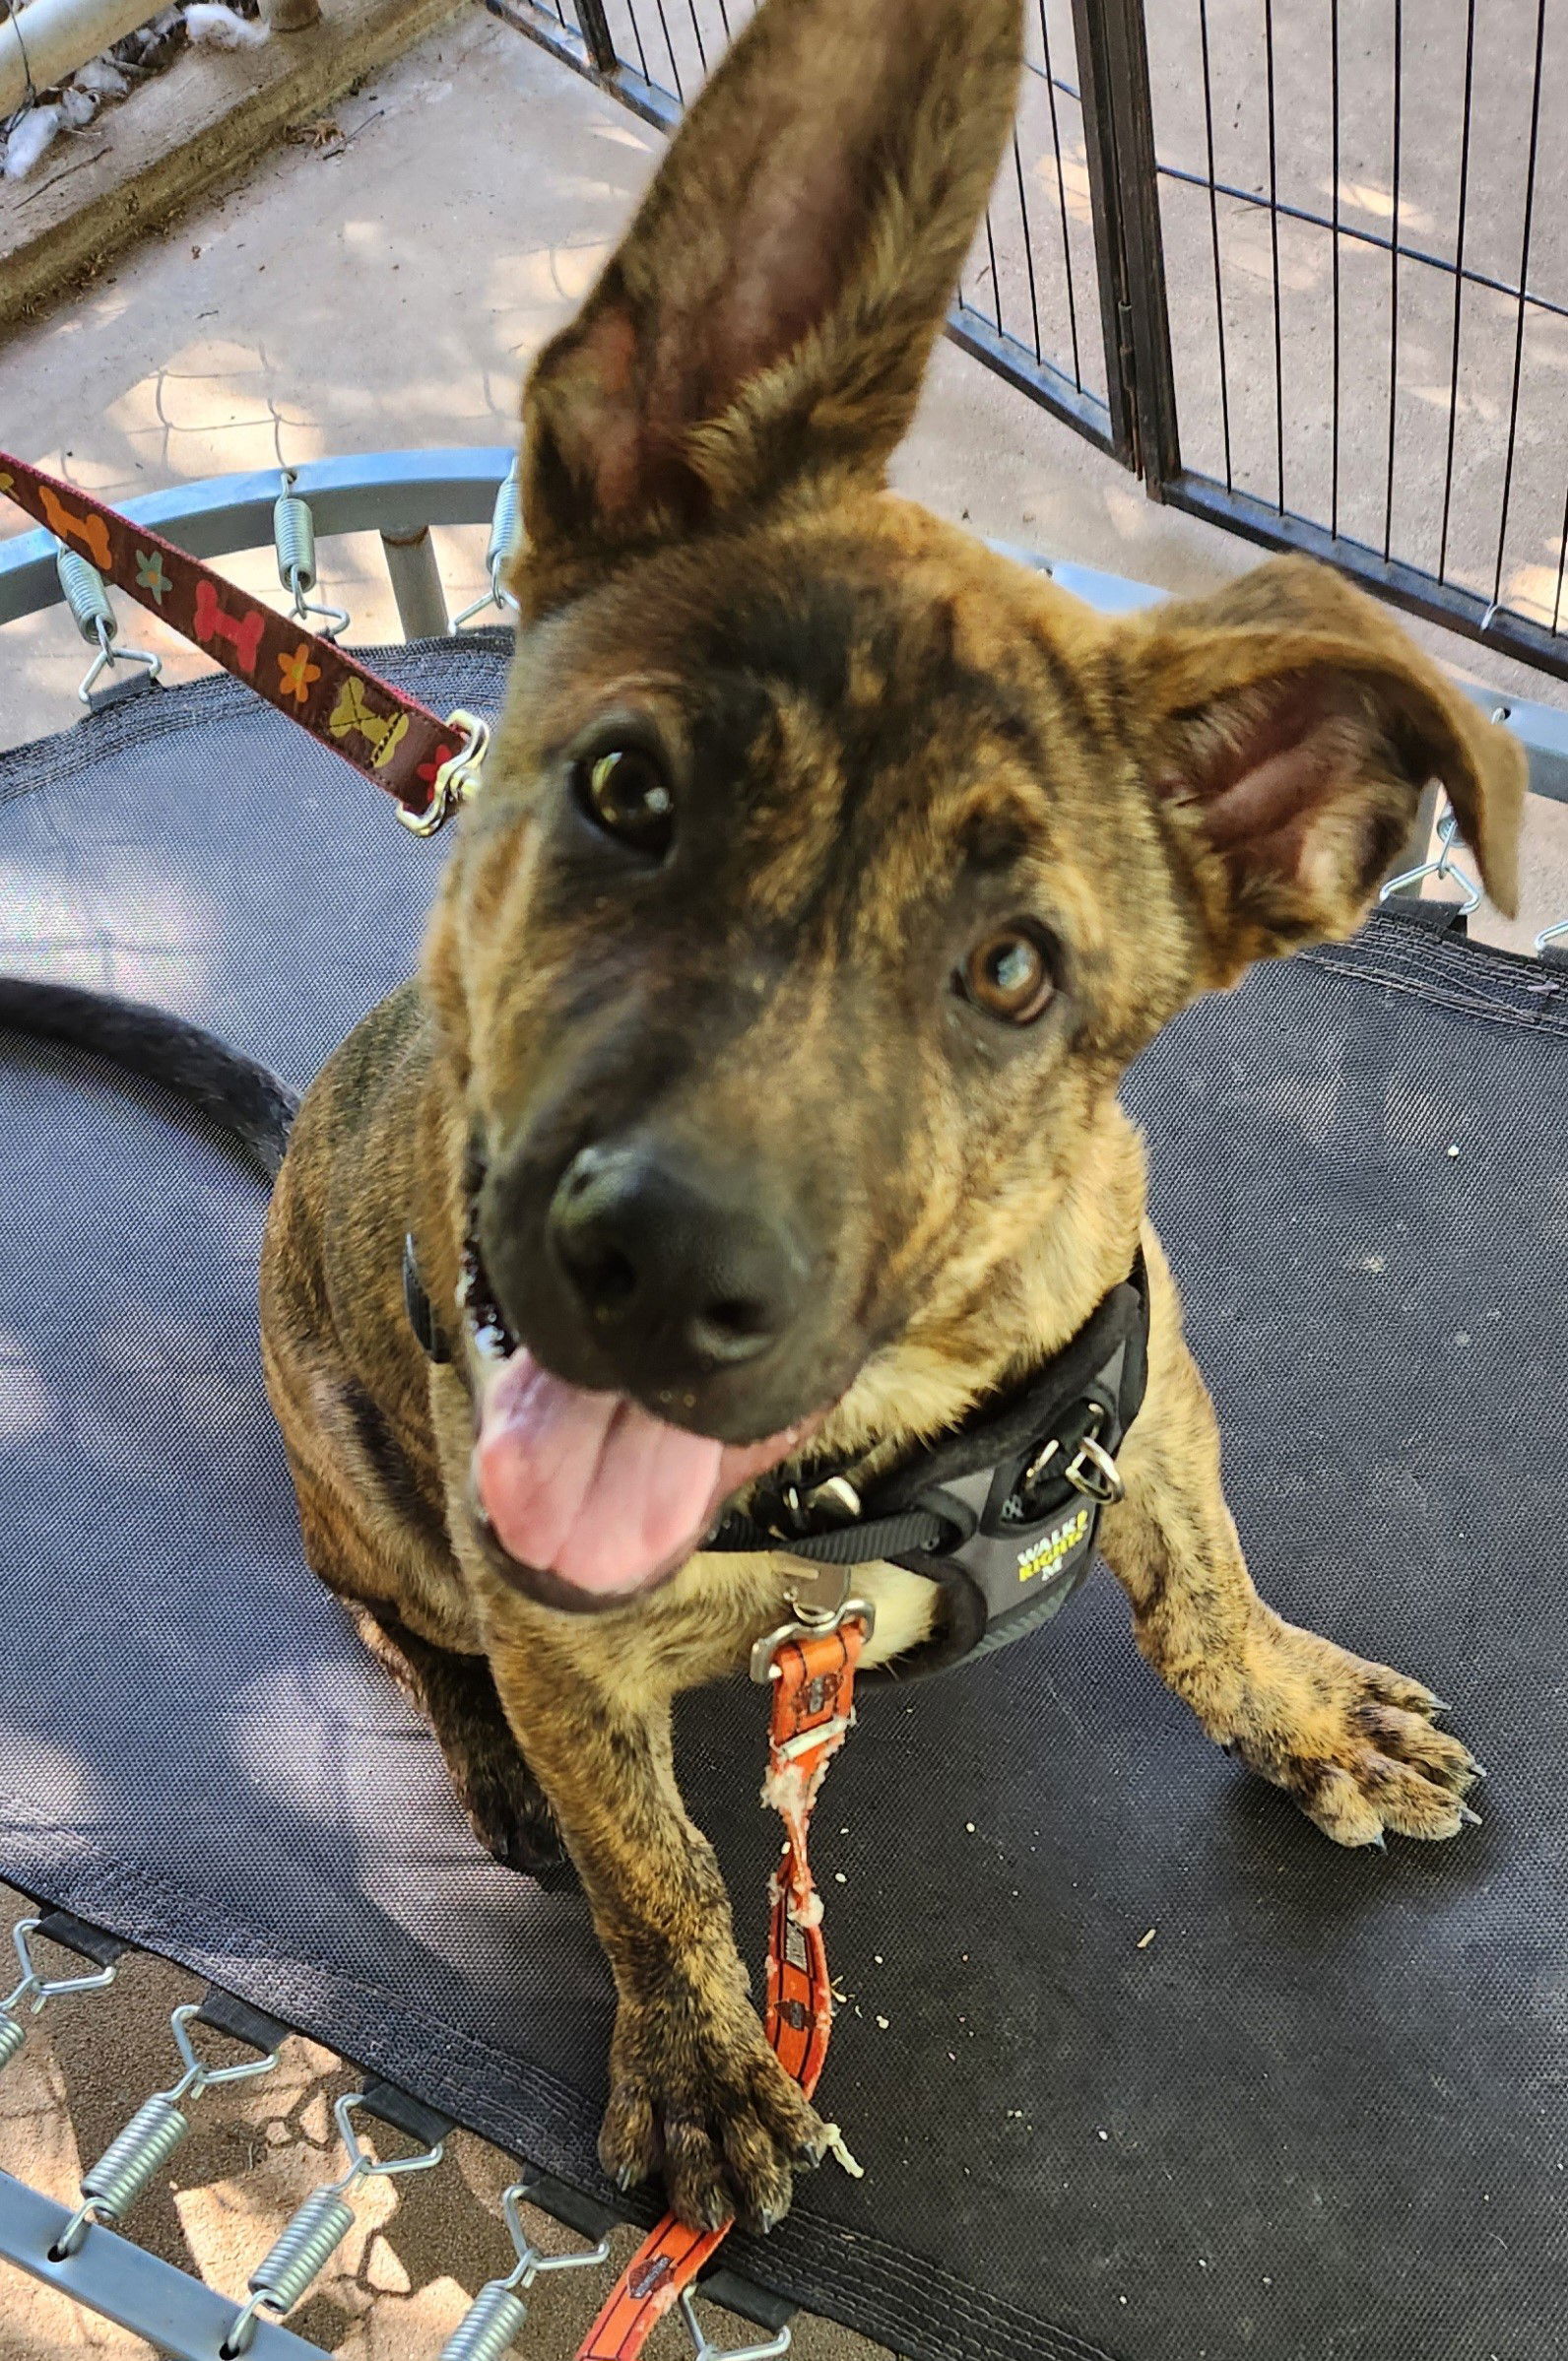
429,765
811,1669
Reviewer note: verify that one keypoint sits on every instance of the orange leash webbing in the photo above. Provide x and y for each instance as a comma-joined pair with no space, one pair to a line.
813,1684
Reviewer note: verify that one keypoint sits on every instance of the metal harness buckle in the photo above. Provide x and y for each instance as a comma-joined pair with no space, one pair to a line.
458,779
1093,1470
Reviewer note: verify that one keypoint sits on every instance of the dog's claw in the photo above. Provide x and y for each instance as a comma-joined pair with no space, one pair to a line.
1478,1771
1379,1842
626,2177
1471,1819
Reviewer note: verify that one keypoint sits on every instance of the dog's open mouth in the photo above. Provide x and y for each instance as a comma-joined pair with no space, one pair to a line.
590,1489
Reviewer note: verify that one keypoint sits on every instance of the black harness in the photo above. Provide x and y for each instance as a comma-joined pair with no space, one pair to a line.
1001,1512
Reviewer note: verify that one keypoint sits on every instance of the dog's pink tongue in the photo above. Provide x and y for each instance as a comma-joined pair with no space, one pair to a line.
591,1487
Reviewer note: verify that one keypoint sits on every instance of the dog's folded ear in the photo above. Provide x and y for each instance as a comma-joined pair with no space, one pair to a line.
1287,727
768,318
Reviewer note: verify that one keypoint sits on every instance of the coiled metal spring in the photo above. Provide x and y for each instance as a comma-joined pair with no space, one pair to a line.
506,530
135,2155
489,2328
293,534
86,596
314,2231
306,2244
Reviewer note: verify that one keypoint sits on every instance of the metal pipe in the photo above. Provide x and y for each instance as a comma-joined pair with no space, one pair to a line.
415,583
43,42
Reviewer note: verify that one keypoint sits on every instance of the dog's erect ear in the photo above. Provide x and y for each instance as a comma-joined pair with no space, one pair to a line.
770,312
1289,728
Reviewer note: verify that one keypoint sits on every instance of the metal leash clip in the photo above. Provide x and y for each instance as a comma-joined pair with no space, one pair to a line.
705,2350
458,779
809,1623
494,2319
35,1991
133,2156
1442,865
313,2233
86,594
294,535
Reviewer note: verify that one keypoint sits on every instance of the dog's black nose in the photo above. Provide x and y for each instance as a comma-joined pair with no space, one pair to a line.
675,1274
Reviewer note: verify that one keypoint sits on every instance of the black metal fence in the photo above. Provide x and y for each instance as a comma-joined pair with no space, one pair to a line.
1301,264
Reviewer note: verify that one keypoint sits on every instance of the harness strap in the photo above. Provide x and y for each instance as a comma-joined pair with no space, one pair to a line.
813,1681
385,735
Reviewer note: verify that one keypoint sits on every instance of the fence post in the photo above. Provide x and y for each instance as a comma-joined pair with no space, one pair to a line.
598,41
1123,194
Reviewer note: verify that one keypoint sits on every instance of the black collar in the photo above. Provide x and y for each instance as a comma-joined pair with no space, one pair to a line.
1001,1512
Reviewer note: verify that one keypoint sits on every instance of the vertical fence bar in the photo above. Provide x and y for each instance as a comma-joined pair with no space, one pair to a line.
636,35
1028,245
1274,257
1394,274
1524,297
594,25
1213,240
668,50
1060,197
1105,209
996,277
1334,105
1458,286
1112,74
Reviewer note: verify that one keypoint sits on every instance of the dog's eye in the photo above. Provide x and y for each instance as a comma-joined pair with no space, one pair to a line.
1008,975
628,796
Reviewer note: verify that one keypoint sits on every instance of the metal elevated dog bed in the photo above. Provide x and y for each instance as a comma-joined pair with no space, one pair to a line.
1322,2109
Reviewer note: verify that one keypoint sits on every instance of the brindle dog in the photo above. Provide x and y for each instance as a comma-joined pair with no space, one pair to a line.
756,1098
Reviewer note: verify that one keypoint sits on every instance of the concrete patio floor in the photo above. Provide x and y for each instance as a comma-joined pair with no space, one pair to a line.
386,290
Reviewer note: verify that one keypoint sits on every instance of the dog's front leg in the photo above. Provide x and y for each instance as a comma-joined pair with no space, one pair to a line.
692,2082
1353,1741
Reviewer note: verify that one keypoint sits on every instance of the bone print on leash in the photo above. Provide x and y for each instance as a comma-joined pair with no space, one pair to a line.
242,632
90,531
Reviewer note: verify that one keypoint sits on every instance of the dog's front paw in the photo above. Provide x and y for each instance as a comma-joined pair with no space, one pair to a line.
694,2088
1353,1741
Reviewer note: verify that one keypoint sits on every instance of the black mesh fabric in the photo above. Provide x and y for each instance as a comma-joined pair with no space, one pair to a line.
1322,2113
